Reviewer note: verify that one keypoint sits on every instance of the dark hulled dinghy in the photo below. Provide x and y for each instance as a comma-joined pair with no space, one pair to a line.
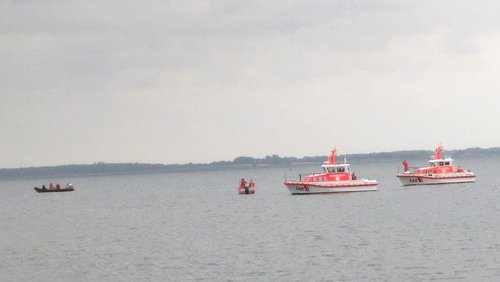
68,188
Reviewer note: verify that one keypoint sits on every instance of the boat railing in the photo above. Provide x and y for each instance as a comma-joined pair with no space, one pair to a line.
411,169
308,174
305,174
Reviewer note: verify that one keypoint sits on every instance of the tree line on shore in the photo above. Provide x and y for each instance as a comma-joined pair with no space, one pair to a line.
102,168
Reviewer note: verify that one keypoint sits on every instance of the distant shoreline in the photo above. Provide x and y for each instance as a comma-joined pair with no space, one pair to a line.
101,169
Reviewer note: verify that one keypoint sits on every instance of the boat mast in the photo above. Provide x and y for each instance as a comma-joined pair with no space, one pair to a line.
439,149
331,159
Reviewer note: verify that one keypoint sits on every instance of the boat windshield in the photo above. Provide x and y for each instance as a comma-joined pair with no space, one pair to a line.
336,168
440,163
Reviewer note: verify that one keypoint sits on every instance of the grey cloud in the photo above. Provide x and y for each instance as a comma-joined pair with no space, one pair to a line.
129,70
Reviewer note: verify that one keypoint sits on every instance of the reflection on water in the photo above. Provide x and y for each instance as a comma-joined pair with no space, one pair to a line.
195,226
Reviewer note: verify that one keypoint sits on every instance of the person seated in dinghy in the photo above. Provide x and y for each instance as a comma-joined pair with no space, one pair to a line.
251,184
243,185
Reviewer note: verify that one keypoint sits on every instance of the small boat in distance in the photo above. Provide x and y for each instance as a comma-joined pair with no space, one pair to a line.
246,188
439,171
335,178
68,188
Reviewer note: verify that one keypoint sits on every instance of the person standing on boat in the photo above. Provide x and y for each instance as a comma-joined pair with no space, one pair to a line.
58,187
405,165
251,184
459,169
354,177
243,183
51,186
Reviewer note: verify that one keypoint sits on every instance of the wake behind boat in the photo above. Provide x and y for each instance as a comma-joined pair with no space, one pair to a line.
335,178
439,171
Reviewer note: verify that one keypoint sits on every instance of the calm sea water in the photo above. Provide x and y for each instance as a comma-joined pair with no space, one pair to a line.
195,227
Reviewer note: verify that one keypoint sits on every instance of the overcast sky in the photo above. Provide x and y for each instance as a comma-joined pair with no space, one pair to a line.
202,81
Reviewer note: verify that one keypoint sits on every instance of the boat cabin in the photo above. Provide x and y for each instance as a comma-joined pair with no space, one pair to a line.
438,166
332,171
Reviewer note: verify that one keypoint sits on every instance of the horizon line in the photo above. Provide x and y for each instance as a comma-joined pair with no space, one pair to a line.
208,163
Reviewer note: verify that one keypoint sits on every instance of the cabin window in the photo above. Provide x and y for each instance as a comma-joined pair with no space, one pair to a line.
441,163
447,163
341,169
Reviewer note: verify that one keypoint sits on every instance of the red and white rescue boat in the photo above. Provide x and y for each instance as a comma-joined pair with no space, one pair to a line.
439,171
335,178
